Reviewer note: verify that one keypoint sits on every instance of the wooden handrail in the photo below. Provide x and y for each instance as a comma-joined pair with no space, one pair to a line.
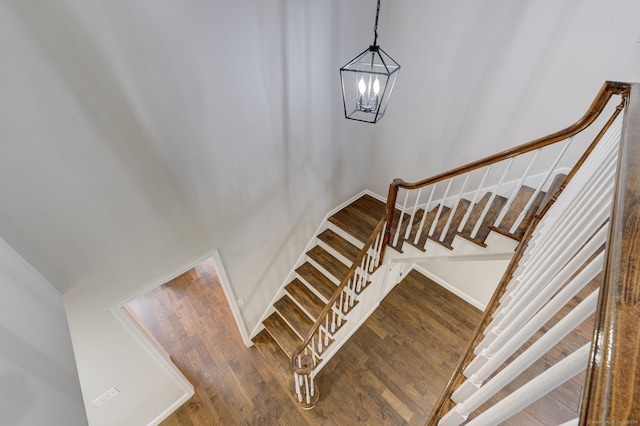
612,387
338,291
608,89
440,408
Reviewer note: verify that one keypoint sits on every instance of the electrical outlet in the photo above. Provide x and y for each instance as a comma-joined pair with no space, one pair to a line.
106,396
240,301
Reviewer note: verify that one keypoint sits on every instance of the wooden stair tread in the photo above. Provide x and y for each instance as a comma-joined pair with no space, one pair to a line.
360,217
370,206
294,316
463,206
275,357
415,224
485,227
339,244
519,203
316,279
558,180
282,334
357,226
328,262
428,222
305,297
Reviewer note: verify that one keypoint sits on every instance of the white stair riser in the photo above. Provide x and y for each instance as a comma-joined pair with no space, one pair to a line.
344,234
326,273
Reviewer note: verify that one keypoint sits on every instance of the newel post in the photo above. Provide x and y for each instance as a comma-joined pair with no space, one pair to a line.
391,209
304,385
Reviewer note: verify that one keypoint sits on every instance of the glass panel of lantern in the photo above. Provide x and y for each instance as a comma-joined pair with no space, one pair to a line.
367,83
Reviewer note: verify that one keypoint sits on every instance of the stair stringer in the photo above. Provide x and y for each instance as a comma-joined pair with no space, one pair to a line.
303,258
369,300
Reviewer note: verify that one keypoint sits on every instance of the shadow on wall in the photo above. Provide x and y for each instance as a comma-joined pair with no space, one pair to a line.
16,397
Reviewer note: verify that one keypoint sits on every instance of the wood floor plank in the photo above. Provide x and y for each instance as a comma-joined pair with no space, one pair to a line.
390,372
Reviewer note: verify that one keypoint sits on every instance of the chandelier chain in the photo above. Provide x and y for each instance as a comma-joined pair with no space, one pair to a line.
375,26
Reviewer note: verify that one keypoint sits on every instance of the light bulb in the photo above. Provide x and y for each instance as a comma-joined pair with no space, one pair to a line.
361,86
376,86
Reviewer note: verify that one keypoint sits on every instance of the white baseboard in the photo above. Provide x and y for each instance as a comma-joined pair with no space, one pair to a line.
173,407
443,283
231,298
159,354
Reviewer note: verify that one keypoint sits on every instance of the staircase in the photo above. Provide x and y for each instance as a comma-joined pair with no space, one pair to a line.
338,244
317,278
562,225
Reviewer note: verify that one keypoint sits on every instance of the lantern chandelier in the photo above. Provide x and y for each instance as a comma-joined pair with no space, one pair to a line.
367,82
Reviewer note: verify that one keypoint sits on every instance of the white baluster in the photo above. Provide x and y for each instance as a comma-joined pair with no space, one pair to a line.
475,198
360,280
510,199
296,382
536,388
367,268
591,215
376,254
539,292
539,348
424,216
404,207
352,291
548,259
306,386
572,219
597,188
312,383
413,214
333,320
600,165
440,207
480,220
326,334
538,189
455,207
380,244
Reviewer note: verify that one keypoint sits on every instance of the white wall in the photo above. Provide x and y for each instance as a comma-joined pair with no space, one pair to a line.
478,77
38,377
473,281
137,137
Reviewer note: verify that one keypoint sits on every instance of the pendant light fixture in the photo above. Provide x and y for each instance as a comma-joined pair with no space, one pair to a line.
367,82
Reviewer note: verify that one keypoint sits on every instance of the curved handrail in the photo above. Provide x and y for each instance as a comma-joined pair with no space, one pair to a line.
611,389
608,89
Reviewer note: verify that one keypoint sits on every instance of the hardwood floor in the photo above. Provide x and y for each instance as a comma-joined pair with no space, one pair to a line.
390,372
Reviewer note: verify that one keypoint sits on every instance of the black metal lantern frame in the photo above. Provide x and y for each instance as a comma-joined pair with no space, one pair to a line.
368,81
